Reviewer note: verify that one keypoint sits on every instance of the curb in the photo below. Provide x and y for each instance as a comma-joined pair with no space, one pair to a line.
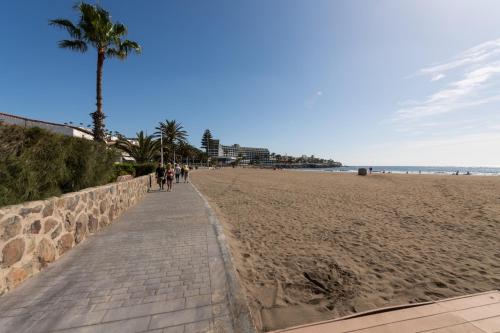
241,318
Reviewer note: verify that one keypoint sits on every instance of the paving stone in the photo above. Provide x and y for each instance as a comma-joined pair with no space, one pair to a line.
123,326
198,327
144,309
176,329
54,321
195,301
181,317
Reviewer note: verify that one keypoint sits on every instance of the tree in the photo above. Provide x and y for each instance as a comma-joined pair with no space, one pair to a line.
173,134
186,151
205,140
95,28
144,151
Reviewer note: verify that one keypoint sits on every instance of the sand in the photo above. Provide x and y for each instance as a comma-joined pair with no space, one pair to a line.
313,246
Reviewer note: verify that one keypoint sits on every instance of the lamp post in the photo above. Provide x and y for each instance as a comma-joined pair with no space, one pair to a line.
161,145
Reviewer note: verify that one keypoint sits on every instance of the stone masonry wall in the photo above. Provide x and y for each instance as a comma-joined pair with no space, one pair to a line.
36,233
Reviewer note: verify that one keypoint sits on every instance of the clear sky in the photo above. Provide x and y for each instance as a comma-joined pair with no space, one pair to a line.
364,82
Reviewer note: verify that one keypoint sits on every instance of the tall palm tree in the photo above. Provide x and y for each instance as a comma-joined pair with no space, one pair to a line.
143,151
173,134
95,28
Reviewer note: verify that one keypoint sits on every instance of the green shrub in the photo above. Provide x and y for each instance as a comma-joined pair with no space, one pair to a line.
121,169
144,169
36,164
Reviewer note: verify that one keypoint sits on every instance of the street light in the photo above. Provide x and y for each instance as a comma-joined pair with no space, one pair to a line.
161,144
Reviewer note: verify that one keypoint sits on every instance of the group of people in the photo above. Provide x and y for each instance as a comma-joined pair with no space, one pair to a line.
166,175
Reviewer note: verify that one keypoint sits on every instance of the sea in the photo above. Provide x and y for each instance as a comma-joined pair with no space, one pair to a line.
439,170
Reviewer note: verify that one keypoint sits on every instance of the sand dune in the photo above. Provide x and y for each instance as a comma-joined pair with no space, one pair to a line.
314,246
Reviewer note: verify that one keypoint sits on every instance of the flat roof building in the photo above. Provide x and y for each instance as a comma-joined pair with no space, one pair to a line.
64,129
231,153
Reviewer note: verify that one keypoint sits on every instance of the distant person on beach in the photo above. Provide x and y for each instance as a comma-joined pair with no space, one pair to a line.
186,174
177,172
170,177
371,169
160,176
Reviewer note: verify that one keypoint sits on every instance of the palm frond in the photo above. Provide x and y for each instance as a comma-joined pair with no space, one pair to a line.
73,31
96,28
122,49
119,29
144,150
75,45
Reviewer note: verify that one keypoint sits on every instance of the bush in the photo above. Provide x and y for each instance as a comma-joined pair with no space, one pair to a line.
121,169
36,164
144,169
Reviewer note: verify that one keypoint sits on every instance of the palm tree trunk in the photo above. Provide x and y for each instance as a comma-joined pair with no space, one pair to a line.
98,115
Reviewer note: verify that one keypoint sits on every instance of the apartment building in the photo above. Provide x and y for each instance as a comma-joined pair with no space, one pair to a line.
231,153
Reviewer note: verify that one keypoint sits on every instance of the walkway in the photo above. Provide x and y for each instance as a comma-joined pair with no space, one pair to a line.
479,313
157,269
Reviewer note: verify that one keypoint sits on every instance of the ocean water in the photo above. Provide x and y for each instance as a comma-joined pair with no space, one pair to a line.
474,171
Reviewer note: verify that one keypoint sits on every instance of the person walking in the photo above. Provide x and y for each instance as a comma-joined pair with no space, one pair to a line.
177,172
170,177
186,173
182,173
160,176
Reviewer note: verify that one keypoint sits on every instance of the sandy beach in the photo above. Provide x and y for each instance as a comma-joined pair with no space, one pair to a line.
312,246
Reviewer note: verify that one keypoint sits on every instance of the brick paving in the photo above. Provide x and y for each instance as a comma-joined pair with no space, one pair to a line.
158,268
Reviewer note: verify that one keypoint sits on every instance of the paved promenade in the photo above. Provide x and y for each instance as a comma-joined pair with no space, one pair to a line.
158,268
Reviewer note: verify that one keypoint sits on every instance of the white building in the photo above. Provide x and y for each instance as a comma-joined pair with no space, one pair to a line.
231,153
52,127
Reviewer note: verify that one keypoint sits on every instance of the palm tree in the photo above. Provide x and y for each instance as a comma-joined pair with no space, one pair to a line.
173,134
187,151
143,151
95,28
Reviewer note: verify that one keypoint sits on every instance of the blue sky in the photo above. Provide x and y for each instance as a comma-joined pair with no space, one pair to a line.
363,82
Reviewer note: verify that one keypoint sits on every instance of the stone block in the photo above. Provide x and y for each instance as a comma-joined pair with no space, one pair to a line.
46,252
15,277
81,227
104,221
93,224
48,210
69,221
12,252
56,232
35,227
10,227
72,202
65,243
103,206
49,224
25,211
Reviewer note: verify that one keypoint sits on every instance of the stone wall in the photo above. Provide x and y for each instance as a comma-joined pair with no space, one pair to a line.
36,233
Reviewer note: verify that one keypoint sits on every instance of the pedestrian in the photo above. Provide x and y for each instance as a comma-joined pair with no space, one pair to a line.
186,174
160,176
170,177
177,172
